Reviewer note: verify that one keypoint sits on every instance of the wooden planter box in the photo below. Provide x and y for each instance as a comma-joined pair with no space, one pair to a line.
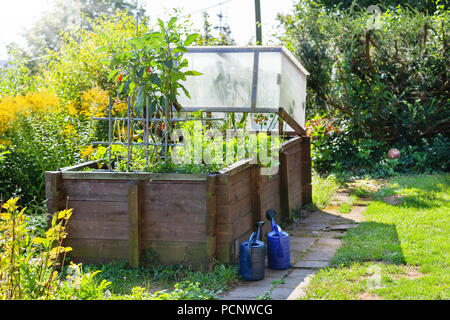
188,219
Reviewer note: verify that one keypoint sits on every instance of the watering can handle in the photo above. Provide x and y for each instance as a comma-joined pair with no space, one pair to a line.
279,233
250,242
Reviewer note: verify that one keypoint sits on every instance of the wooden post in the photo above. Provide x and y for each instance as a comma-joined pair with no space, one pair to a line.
211,221
306,171
134,215
55,194
284,186
256,194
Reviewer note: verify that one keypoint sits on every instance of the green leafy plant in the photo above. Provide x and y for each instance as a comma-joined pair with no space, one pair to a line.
28,264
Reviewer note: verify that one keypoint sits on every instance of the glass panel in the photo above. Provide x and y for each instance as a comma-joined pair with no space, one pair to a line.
269,75
226,80
293,91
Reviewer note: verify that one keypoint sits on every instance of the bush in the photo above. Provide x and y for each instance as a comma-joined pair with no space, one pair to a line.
378,87
39,139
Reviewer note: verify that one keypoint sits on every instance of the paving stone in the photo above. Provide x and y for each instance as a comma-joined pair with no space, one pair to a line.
300,290
309,264
301,243
313,226
281,293
342,227
320,254
329,242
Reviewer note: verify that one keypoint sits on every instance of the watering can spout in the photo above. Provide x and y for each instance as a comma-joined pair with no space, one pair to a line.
259,226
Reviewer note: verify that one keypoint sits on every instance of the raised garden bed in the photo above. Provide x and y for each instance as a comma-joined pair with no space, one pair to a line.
188,219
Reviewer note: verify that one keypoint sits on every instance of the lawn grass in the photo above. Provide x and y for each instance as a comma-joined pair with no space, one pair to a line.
400,252
156,278
323,190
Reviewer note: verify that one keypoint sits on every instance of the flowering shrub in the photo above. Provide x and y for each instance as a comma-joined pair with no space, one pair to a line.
32,102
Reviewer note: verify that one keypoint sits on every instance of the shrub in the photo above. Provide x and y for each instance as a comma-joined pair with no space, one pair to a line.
381,87
28,264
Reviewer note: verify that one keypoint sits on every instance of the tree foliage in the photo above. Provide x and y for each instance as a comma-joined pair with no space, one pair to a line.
383,82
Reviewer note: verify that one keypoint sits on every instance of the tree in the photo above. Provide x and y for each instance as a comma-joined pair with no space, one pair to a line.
420,5
46,34
224,32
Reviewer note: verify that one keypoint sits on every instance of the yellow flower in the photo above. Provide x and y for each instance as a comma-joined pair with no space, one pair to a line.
87,152
33,102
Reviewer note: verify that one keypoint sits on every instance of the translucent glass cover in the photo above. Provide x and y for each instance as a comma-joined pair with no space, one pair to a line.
245,79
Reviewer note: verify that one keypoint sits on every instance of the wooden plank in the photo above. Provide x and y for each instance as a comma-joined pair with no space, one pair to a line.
98,230
171,252
284,186
235,168
91,164
186,232
242,224
164,191
241,208
256,194
133,176
55,193
96,190
238,177
291,122
134,212
99,211
97,248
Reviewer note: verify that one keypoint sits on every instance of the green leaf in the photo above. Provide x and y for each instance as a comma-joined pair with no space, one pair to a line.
190,39
155,79
141,71
171,22
112,74
185,91
132,85
139,105
193,73
105,61
100,50
179,49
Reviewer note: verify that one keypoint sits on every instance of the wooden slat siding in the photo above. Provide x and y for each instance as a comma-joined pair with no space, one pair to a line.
127,176
101,211
284,186
98,230
175,252
55,194
134,214
306,171
96,190
174,212
256,194
223,219
96,249
271,200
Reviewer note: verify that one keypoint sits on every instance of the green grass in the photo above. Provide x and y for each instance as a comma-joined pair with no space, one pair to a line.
156,277
400,252
323,190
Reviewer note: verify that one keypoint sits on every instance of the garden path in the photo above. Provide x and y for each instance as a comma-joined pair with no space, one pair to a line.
314,239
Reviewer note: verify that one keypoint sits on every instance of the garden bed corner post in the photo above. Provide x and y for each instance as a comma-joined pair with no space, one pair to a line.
134,215
54,189
211,220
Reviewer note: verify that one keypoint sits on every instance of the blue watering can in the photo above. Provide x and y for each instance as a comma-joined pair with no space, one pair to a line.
252,256
278,250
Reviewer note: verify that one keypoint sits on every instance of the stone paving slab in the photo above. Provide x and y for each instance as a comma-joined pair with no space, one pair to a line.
312,226
313,242
320,254
301,244
342,227
311,264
